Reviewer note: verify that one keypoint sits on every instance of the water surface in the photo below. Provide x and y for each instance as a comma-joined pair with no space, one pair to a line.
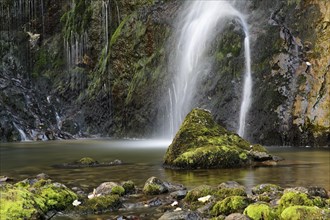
143,159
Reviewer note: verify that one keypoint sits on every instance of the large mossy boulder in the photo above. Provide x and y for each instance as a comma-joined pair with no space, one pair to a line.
32,198
202,143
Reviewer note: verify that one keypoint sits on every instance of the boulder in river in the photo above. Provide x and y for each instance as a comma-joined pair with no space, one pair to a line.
202,143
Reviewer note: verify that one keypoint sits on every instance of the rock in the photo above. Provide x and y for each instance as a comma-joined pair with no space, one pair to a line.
298,189
129,187
318,191
107,188
236,216
178,194
42,176
154,186
178,215
101,204
230,188
198,192
230,205
202,143
87,161
5,179
266,192
31,199
153,202
293,199
305,212
259,211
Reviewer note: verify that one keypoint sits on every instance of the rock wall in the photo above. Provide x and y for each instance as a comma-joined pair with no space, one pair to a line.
110,77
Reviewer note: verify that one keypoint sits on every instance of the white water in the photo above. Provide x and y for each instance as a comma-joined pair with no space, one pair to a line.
199,25
247,89
21,132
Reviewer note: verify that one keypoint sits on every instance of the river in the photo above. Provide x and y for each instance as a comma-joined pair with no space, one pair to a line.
143,159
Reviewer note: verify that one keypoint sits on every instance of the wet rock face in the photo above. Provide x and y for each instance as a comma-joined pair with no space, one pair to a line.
290,73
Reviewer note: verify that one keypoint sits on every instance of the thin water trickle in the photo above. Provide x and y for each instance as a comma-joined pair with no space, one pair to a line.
199,25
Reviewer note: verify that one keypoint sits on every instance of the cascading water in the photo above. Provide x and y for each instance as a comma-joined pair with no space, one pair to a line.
247,89
200,25
21,132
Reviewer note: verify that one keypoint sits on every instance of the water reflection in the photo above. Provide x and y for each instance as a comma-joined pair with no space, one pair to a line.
143,158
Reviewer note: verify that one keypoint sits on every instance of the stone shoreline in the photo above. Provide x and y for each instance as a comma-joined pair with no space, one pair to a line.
42,198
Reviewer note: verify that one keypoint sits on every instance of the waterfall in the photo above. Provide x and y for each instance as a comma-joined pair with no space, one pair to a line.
247,88
21,132
198,26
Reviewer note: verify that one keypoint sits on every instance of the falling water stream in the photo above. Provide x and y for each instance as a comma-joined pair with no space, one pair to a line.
200,24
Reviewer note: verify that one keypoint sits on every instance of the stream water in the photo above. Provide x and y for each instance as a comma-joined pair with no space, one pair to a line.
143,159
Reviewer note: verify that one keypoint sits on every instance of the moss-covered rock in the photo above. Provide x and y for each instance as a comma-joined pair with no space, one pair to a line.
101,204
305,212
258,211
267,192
129,186
202,143
154,186
31,199
230,188
107,188
198,192
230,205
293,199
86,161
18,203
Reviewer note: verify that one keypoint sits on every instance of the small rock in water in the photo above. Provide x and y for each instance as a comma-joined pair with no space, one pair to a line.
204,199
76,203
174,203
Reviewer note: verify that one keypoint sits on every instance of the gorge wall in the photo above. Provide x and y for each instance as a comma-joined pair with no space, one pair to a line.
87,67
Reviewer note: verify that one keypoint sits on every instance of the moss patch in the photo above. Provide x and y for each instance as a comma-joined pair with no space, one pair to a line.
305,212
230,205
259,211
293,199
101,204
30,199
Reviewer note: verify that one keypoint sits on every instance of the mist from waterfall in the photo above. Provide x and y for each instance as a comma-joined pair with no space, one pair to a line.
198,27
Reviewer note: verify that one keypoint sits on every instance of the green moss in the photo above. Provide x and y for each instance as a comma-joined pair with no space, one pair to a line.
119,190
117,32
304,212
200,191
260,148
31,199
152,189
56,196
102,204
230,205
259,211
86,161
77,20
17,203
226,192
293,199
267,188
129,186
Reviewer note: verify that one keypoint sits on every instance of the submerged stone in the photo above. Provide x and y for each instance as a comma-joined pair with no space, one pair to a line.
202,143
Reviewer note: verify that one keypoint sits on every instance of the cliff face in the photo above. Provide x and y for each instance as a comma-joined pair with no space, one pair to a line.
291,69
101,67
